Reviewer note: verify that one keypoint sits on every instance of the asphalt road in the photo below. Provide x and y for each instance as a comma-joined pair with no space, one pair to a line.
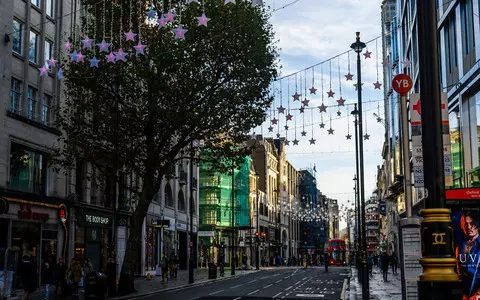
284,283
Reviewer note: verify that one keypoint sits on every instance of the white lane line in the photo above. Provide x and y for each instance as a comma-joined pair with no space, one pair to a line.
252,281
238,298
276,275
264,277
256,291
278,281
298,282
276,295
236,286
216,292
289,288
267,286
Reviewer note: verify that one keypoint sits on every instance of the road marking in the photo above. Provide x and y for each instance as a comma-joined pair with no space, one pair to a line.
237,298
276,275
252,281
267,286
310,295
264,277
236,286
256,291
289,288
216,292
298,282
277,295
278,281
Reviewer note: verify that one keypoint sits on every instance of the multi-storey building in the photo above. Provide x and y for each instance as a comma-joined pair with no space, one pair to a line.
289,211
333,219
372,225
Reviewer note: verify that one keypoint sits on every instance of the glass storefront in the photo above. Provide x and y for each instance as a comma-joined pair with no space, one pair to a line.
456,148
151,249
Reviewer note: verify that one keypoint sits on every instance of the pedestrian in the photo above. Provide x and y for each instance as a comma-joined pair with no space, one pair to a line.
164,267
375,260
74,276
394,263
327,262
60,270
385,260
28,274
370,264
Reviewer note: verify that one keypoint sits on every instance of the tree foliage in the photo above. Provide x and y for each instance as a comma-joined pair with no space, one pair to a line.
137,116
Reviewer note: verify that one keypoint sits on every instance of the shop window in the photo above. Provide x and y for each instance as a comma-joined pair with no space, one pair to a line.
456,148
181,201
27,169
150,261
168,195
26,237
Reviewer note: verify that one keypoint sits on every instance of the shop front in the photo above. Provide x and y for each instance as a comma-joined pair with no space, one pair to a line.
30,229
155,228
92,237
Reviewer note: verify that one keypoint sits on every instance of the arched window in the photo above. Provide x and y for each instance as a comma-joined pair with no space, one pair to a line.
181,201
168,195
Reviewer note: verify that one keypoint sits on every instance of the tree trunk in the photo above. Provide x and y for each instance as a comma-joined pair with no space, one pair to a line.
126,282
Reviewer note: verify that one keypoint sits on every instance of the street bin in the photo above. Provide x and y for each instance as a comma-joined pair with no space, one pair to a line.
212,271
95,286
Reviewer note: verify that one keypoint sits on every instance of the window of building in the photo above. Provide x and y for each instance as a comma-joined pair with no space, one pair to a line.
48,50
168,195
50,8
466,15
27,169
181,201
37,3
17,36
46,103
15,95
456,148
32,103
450,44
33,51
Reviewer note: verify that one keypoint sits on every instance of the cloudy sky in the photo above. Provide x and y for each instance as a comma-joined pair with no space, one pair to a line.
311,32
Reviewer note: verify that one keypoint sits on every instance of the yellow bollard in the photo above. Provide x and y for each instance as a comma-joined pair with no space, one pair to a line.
149,277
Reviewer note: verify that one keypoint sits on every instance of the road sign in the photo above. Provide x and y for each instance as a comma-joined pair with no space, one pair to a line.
402,83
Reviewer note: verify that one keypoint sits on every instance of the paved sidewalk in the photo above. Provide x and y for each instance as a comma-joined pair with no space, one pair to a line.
392,289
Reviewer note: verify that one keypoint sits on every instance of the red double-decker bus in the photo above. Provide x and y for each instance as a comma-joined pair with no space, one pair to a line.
337,249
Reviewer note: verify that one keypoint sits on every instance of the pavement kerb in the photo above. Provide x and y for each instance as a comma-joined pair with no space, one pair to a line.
344,290
198,283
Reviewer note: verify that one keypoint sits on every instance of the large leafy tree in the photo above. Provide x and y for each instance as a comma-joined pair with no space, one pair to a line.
137,116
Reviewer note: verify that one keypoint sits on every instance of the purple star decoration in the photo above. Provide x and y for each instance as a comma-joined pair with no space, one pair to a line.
68,46
94,62
120,55
170,16
73,56
179,32
52,62
43,70
151,13
110,57
130,36
60,74
162,22
139,48
203,20
103,46
80,57
87,42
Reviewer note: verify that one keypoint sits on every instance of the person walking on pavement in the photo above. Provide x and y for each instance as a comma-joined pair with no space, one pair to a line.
394,259
60,270
385,260
327,262
27,275
164,267
370,264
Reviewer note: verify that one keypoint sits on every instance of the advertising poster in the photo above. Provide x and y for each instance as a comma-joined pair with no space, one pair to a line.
466,226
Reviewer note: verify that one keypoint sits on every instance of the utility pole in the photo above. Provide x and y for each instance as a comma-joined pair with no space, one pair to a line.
439,279
191,261
233,221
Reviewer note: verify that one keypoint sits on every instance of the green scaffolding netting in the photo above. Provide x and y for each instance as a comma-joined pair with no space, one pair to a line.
215,192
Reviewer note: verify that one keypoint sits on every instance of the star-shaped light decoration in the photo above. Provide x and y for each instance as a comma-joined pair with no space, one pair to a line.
110,57
51,62
323,108
68,46
103,46
296,96
203,20
349,76
379,120
191,1
406,63
367,54
281,109
94,62
366,136
322,125
377,85
80,57
304,133
179,32
130,36
73,56
60,74
305,102
341,101
330,131
120,55
339,113
302,109
170,16
387,63
268,105
286,127
274,121
356,87
289,117
278,135
139,48
313,90
87,42
348,136
162,22
270,129
287,142
295,142
229,1
330,93
151,13
312,141
43,70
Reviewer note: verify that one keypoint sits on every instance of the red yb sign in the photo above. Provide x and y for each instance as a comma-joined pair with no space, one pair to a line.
25,212
402,83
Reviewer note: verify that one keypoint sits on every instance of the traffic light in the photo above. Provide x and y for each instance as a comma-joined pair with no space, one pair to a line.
305,233
257,234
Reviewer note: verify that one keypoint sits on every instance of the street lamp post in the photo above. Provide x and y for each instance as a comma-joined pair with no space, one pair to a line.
439,279
358,47
233,222
257,236
191,261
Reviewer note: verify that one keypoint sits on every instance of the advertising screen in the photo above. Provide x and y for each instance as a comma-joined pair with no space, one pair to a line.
466,226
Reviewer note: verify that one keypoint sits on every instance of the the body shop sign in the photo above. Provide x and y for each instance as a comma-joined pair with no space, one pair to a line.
93,219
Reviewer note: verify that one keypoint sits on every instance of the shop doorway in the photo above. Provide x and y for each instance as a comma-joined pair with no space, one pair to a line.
182,249
48,256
